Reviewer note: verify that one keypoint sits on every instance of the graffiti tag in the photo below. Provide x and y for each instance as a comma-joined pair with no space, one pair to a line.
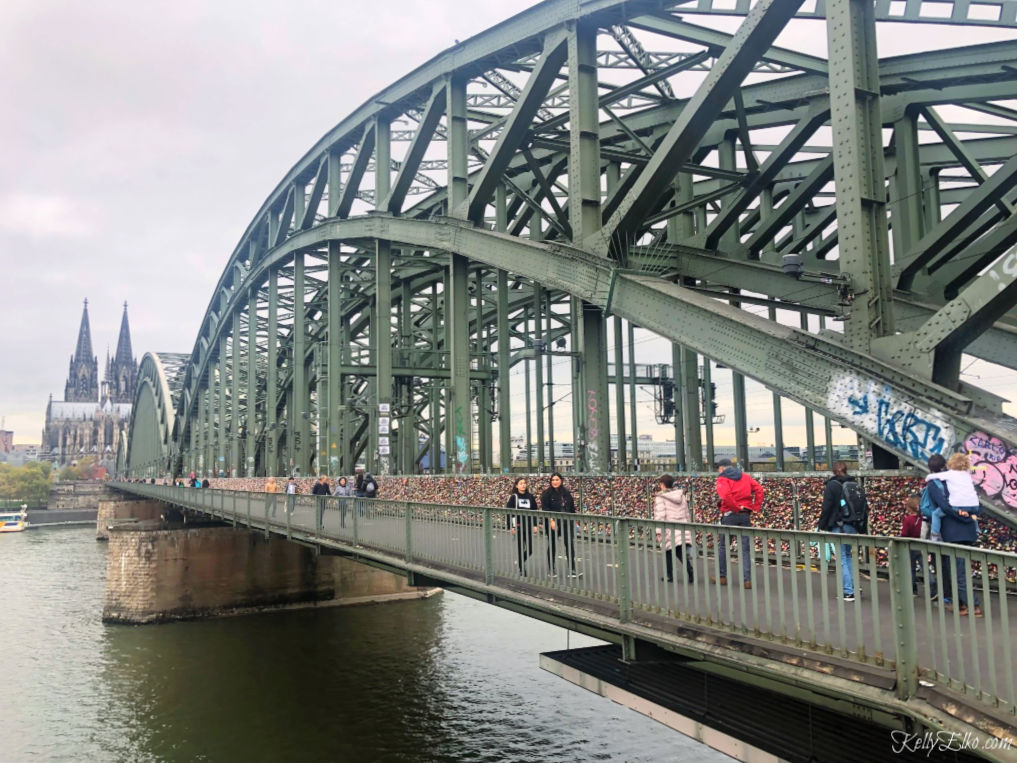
593,429
887,417
461,454
995,467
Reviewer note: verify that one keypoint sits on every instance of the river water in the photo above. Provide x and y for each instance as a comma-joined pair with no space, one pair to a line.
442,679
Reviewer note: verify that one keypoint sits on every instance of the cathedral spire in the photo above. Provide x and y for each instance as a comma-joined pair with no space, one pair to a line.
124,354
123,371
83,375
83,352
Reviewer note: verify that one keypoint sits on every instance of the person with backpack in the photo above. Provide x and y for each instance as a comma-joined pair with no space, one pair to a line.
370,486
740,496
846,511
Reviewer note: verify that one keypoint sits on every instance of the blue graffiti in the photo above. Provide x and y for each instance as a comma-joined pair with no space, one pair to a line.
903,429
859,407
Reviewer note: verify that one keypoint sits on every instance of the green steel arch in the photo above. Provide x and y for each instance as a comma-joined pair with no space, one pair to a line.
149,449
515,198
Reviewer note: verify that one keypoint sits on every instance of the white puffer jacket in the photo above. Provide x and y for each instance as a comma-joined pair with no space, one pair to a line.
671,506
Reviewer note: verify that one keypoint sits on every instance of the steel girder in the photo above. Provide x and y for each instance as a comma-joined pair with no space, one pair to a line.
672,170
150,441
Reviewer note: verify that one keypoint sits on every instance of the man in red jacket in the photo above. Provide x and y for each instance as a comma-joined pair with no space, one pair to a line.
740,495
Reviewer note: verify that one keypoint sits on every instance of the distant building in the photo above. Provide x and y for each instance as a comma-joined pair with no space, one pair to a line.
92,419
6,441
20,455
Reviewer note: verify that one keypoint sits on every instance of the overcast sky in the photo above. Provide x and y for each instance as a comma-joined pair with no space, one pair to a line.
139,139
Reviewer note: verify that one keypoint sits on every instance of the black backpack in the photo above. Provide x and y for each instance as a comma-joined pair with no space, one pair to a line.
853,506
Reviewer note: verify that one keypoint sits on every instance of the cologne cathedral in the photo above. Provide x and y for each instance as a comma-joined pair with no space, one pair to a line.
93,417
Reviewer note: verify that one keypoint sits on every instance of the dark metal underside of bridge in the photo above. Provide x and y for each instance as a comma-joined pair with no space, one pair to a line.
836,227
792,729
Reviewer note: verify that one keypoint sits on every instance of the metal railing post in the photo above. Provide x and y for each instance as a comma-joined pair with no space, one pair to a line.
357,508
489,548
319,514
796,507
291,506
409,531
902,611
621,536
269,501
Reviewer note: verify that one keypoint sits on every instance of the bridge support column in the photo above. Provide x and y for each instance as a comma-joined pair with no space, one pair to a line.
504,372
300,431
594,402
379,438
690,398
272,377
120,509
157,574
460,406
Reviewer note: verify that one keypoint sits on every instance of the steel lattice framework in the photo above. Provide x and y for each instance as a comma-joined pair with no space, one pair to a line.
587,162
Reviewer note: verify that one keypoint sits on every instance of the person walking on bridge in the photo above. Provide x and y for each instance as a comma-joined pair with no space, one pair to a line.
271,486
558,498
291,493
321,487
670,505
846,511
343,491
523,526
740,496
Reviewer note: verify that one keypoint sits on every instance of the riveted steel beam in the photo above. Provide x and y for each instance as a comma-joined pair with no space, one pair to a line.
349,192
682,30
864,249
517,125
433,111
788,147
756,34
970,210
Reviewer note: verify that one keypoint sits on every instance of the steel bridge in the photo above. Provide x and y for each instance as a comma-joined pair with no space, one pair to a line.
887,660
839,229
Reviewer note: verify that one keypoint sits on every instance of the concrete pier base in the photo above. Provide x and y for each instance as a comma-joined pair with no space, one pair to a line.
120,509
157,574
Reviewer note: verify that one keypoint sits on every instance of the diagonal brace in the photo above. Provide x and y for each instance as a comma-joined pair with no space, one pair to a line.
518,124
755,36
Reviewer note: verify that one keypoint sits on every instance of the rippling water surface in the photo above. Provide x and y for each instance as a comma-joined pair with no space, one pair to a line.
446,678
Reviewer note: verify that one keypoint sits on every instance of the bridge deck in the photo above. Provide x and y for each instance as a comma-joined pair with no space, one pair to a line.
794,611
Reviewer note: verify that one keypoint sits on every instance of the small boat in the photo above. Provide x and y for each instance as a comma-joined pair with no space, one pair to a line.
13,521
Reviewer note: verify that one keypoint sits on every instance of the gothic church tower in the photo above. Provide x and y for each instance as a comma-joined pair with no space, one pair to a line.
122,370
83,376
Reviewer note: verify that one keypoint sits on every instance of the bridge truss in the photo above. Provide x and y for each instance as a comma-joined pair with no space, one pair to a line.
583,168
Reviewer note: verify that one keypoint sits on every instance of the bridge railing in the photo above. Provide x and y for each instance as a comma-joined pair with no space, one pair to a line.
780,586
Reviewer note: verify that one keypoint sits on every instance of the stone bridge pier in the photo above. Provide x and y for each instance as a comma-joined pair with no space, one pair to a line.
176,568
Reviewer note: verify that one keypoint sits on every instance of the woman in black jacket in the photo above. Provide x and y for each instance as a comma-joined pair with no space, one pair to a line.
522,526
558,498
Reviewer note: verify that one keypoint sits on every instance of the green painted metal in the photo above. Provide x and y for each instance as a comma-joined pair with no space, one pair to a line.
698,205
